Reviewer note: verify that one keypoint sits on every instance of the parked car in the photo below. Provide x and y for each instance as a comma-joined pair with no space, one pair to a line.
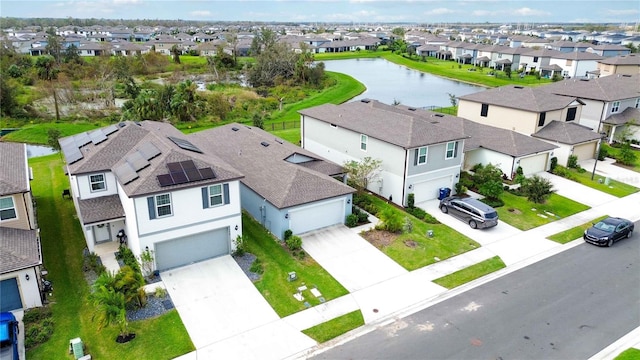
472,211
8,336
608,231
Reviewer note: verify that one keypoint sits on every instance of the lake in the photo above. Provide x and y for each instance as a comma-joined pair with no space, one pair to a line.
388,83
38,150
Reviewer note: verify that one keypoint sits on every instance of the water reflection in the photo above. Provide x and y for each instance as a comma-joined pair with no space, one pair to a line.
39,150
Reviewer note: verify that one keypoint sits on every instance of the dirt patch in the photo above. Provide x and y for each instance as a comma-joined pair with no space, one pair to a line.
411,244
379,238
515,211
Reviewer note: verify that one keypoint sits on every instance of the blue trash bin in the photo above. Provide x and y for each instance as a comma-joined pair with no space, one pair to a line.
444,192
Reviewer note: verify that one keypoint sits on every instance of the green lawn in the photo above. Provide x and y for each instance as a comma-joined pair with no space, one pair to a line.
36,133
471,273
614,151
416,249
277,262
62,244
524,215
615,188
574,233
629,354
335,327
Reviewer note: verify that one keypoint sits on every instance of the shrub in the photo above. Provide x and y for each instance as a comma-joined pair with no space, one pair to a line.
537,189
554,163
572,162
460,188
126,255
603,153
294,242
493,202
287,234
417,212
240,246
363,217
411,200
352,220
160,292
408,226
256,267
390,220
627,155
38,326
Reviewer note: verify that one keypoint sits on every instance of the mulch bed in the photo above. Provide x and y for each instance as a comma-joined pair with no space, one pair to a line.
379,238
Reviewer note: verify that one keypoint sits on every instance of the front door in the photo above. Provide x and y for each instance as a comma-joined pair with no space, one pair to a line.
102,233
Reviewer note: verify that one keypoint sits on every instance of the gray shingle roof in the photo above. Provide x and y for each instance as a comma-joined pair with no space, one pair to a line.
566,133
111,153
629,114
19,249
267,172
607,88
383,122
520,97
100,209
14,176
630,59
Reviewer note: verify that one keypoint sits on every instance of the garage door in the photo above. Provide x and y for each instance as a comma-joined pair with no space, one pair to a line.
429,190
190,249
316,216
585,151
9,295
534,164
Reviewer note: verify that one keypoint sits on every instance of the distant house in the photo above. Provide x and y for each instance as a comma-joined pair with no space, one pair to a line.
418,155
20,252
576,64
619,65
609,50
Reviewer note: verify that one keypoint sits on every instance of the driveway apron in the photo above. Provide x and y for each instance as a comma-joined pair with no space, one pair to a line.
216,300
349,258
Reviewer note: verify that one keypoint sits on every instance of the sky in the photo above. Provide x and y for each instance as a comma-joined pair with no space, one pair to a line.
336,11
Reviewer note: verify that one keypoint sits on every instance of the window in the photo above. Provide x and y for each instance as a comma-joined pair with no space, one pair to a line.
420,156
571,114
615,107
159,206
484,110
569,62
97,182
535,59
452,150
542,118
363,142
7,209
215,195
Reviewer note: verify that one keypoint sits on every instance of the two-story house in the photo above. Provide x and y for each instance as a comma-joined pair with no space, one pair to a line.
619,65
146,185
20,252
529,111
611,103
417,155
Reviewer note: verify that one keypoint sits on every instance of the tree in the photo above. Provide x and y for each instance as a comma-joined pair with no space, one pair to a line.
110,303
488,179
8,103
273,66
52,139
48,71
364,172
263,40
54,48
507,71
175,53
537,189
452,99
184,102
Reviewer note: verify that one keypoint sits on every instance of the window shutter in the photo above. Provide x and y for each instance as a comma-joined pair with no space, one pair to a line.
205,197
415,158
455,151
225,191
152,207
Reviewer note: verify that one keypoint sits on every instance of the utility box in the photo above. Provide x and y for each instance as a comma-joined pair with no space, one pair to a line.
76,348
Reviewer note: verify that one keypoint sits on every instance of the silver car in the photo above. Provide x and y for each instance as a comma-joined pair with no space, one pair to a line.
472,211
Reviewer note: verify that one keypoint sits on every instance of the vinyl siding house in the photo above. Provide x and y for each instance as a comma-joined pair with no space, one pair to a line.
576,64
418,155
605,99
20,252
148,181
619,65
284,187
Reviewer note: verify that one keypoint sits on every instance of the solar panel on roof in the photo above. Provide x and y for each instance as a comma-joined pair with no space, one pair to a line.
188,164
125,173
97,137
67,141
73,155
207,173
179,177
193,174
174,167
137,161
109,129
185,144
165,180
148,150
82,139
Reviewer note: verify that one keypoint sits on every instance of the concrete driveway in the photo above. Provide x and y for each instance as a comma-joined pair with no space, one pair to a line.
349,258
577,192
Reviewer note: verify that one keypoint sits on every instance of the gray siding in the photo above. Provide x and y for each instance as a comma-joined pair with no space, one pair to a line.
435,159
263,211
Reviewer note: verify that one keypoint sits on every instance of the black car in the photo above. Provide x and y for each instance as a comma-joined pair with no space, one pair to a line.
608,231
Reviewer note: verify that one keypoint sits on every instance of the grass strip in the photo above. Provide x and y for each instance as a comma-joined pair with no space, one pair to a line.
574,233
335,327
470,273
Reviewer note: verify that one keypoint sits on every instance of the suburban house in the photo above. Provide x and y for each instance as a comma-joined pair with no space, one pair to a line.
620,65
571,139
605,99
145,185
529,111
20,252
576,64
284,187
418,155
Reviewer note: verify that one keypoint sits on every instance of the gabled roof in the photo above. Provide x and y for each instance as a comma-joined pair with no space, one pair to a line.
566,133
628,115
270,171
128,143
19,249
489,137
630,59
14,176
99,209
520,97
384,122
607,88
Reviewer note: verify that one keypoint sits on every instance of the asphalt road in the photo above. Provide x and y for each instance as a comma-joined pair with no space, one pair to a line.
569,306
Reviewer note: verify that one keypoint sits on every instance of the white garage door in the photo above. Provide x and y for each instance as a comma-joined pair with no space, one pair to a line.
585,151
189,249
533,164
316,216
429,190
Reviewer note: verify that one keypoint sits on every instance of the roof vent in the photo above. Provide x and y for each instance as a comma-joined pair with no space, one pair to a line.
235,128
438,115
122,124
366,101
626,75
412,109
279,141
518,87
264,143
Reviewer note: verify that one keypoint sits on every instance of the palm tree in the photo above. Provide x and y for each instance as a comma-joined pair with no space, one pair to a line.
110,303
184,103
